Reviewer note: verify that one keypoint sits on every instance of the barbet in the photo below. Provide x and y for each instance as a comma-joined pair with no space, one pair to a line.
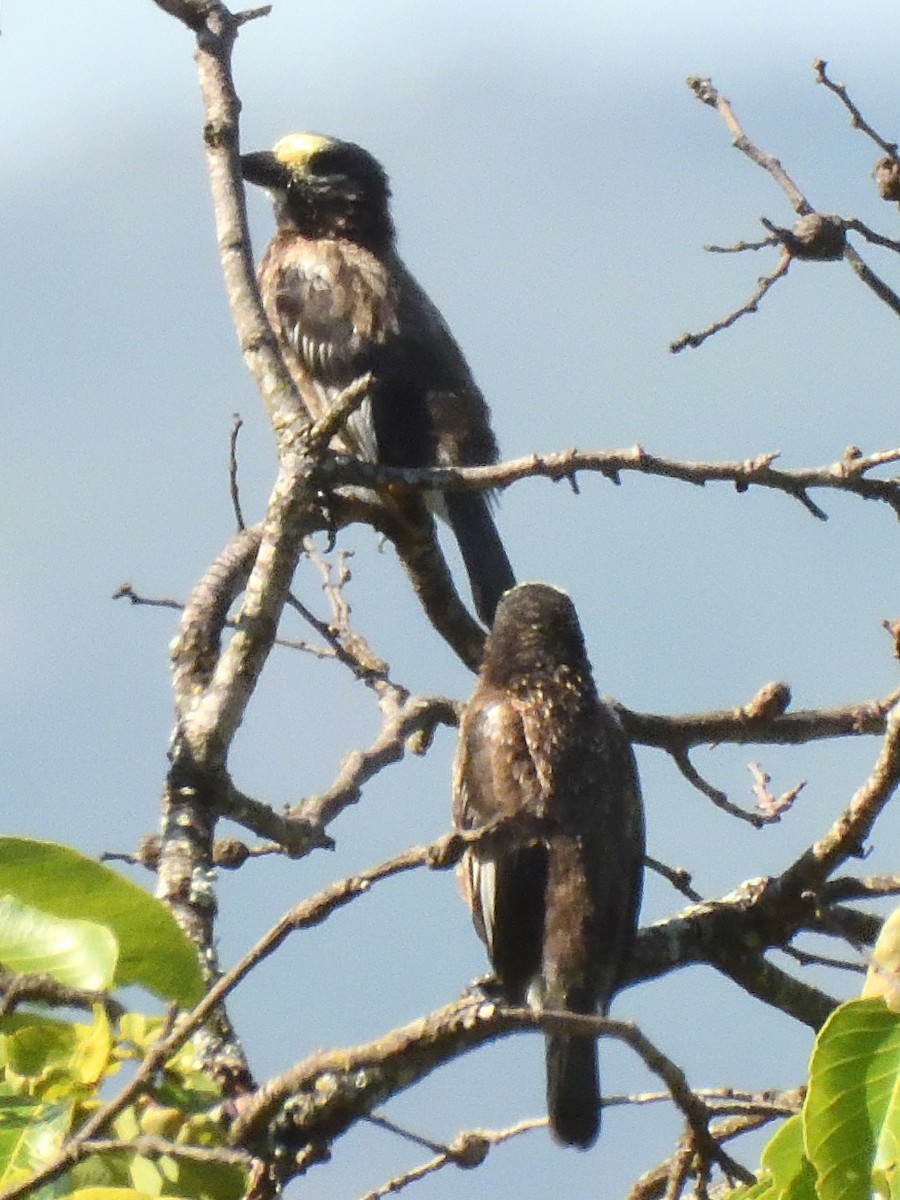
344,306
557,910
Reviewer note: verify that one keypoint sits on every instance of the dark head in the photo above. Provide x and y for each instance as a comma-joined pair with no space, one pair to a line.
535,632
325,188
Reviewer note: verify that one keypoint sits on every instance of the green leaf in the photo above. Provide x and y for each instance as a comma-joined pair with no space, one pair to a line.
101,1171
785,1159
93,1049
31,1043
851,1118
785,1172
108,1193
761,1190
31,1135
81,954
153,952
210,1181
145,1175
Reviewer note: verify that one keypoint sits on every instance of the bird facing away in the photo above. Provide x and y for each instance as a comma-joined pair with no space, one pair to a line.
558,915
342,304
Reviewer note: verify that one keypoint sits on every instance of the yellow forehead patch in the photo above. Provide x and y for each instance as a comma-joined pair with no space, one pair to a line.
297,148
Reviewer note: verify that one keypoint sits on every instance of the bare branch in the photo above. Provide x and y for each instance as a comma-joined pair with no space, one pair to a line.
347,646
848,835
417,715
467,1150
805,959
743,726
234,490
815,236
335,418
877,239
864,272
158,1147
705,92
411,529
325,1093
216,30
851,888
820,66
740,247
849,475
751,305
720,800
16,989
679,878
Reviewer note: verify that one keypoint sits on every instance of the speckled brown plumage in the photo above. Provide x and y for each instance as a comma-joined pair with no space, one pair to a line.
343,304
558,916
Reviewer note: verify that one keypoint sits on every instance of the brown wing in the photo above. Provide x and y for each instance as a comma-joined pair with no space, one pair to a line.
594,871
342,312
494,777
592,795
334,308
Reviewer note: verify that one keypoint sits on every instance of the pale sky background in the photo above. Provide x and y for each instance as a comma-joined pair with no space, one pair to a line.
554,183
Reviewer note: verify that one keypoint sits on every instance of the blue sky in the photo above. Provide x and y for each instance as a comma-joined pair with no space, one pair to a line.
554,182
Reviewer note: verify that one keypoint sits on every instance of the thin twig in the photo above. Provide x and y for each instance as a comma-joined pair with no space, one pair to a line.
234,490
863,271
467,1150
805,959
679,878
877,239
157,1147
740,247
125,591
750,305
416,717
857,120
720,800
707,94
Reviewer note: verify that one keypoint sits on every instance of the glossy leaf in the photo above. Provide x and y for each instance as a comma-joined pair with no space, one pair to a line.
79,953
153,951
31,1135
785,1172
851,1118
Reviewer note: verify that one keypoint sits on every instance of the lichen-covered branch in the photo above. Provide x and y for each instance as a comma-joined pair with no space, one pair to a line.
319,1098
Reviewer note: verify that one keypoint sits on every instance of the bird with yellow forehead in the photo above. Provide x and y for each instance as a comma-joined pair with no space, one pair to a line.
344,306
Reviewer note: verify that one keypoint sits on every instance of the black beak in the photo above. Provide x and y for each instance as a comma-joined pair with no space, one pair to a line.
264,169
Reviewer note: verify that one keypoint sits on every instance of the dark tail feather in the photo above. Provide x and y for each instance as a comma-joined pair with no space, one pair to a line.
573,1090
490,574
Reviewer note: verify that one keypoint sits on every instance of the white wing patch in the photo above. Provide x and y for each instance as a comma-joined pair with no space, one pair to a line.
362,425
